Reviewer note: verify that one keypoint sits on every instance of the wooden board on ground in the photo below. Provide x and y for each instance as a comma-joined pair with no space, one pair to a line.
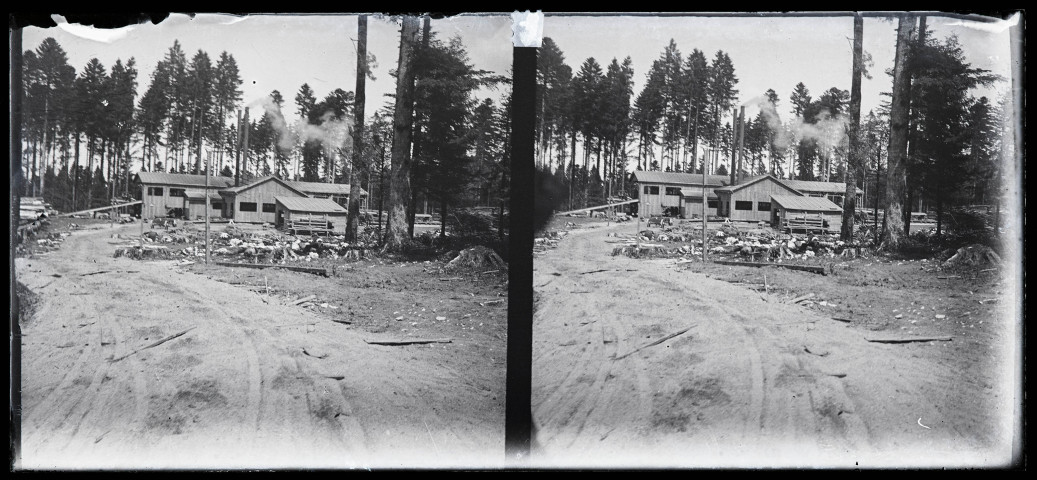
907,339
313,270
805,268
408,341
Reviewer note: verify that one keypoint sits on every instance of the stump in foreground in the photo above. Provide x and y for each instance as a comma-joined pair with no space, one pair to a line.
477,256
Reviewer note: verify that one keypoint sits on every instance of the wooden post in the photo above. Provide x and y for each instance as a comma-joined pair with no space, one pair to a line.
143,204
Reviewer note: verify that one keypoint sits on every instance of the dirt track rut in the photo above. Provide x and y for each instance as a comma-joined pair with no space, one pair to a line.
756,381
251,385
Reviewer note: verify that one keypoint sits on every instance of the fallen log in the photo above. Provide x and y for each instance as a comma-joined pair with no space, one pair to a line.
907,339
313,270
653,343
805,268
801,298
303,299
844,320
160,342
408,342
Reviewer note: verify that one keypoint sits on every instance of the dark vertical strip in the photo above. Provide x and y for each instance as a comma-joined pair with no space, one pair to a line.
16,191
518,417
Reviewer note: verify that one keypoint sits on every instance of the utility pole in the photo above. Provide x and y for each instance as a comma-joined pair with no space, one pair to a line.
237,159
741,140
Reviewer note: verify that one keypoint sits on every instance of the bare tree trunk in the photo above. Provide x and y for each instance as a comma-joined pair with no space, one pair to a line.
854,160
358,129
403,118
896,180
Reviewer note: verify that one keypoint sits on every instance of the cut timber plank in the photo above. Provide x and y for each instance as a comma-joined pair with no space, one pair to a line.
313,270
408,341
160,342
653,343
805,268
907,339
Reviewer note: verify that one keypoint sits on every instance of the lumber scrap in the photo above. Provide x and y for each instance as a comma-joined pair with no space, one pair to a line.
314,270
653,343
906,339
408,341
160,342
804,268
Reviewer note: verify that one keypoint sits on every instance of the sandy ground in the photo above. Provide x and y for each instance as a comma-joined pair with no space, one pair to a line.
253,383
757,381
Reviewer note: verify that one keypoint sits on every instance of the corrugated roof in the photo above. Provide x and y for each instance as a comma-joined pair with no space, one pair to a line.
677,178
697,193
324,188
809,204
180,179
310,205
813,186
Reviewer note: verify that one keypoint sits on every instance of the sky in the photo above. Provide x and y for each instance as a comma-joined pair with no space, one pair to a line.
770,52
280,52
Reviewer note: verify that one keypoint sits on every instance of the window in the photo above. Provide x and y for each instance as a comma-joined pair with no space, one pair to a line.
217,206
176,192
247,207
156,191
269,208
713,204
651,190
743,205
763,206
673,191
319,196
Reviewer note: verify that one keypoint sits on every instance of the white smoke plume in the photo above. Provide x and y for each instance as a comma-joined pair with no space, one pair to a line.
333,134
828,131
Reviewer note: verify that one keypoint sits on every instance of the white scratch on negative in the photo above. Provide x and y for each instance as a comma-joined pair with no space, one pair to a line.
103,35
920,423
527,28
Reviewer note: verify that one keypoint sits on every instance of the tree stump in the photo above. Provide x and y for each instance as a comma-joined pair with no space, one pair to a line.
974,255
477,256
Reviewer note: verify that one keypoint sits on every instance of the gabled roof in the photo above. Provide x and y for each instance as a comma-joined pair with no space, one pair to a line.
324,188
802,203
260,181
754,180
310,205
677,178
201,196
180,179
693,192
812,186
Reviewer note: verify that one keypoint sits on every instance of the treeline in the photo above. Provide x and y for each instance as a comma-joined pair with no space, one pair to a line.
86,133
592,130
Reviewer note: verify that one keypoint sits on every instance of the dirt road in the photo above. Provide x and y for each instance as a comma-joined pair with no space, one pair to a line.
754,381
249,384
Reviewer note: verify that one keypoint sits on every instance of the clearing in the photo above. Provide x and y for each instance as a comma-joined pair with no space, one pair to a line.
257,379
657,362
